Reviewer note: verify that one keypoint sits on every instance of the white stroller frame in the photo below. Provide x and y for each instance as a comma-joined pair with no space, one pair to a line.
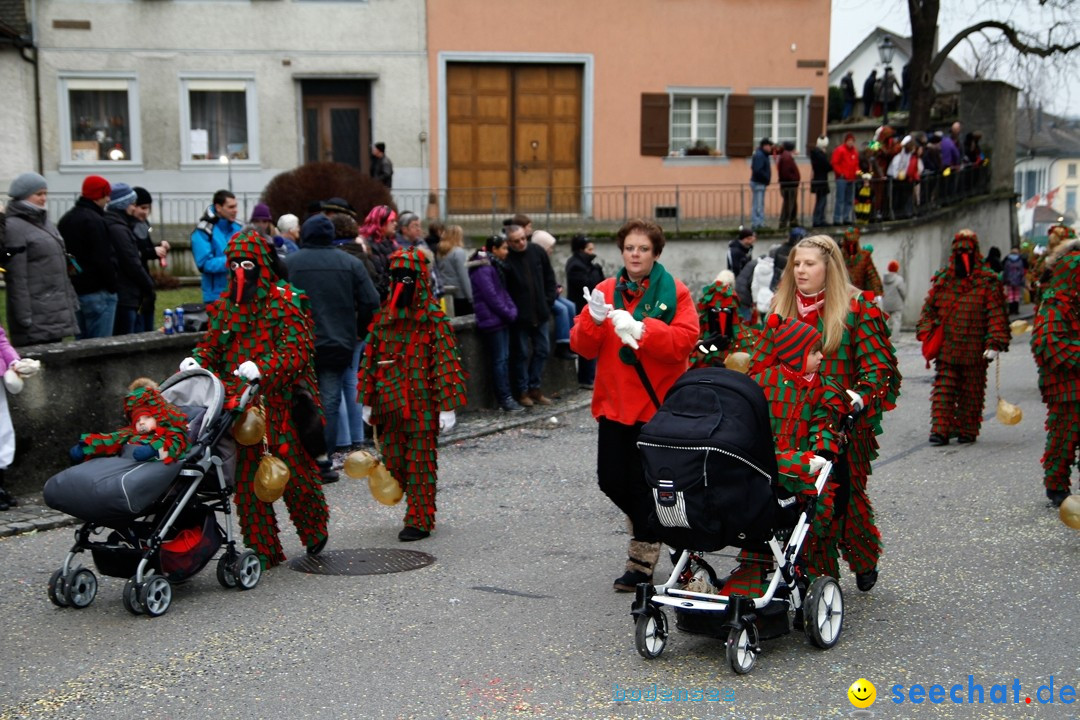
73,585
822,605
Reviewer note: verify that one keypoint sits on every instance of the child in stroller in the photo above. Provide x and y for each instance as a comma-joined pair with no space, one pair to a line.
719,482
161,516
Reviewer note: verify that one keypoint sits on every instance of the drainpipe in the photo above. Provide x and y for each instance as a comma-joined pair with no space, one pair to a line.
25,46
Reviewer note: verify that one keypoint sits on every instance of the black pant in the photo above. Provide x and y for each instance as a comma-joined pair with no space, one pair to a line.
618,469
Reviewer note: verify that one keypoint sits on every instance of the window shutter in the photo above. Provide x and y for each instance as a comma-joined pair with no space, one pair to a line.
655,116
740,131
816,118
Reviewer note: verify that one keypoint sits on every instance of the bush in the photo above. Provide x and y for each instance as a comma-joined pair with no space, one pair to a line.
296,190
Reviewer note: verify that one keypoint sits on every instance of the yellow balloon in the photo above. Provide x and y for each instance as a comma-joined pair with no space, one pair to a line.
358,464
250,428
271,478
1019,327
383,486
1007,413
738,361
1070,512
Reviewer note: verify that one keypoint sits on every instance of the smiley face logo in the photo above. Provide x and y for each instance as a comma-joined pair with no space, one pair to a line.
862,693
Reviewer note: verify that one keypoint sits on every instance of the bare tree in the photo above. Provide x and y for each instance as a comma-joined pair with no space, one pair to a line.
1057,40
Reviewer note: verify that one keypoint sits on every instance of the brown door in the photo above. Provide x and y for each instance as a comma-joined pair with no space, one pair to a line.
336,130
514,138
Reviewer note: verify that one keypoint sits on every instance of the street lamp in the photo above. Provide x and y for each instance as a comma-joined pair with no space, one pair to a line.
886,48
228,163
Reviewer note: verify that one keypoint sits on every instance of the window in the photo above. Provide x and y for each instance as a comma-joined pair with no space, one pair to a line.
1071,170
695,125
99,120
779,119
218,119
1070,200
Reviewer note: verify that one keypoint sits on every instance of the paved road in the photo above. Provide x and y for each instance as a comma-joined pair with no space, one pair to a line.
517,618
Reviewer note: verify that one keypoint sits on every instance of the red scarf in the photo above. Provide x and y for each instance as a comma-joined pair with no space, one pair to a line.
809,306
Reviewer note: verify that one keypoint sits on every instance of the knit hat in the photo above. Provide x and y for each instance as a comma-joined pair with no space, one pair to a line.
287,222
792,340
143,196
893,266
26,185
261,211
317,230
120,196
544,239
95,187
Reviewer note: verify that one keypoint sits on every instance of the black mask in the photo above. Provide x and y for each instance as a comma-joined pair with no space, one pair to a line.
962,262
721,322
402,288
245,280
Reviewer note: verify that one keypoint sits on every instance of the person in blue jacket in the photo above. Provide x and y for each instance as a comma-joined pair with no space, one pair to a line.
208,241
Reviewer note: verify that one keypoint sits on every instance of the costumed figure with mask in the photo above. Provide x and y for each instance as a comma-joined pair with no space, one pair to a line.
1038,277
860,264
722,330
410,384
155,426
261,328
967,300
1055,342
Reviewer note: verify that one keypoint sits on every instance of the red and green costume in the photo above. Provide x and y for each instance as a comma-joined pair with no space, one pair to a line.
865,363
720,296
966,298
860,264
1055,342
271,326
410,372
169,436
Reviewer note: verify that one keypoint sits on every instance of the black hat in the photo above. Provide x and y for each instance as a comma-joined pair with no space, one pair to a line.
380,146
143,196
745,233
337,204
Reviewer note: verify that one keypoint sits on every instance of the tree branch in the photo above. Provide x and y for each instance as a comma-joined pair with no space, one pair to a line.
1010,34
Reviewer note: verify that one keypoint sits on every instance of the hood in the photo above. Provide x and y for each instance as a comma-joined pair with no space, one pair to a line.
890,278
252,245
410,263
148,401
966,256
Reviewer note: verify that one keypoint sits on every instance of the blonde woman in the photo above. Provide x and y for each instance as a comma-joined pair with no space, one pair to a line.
858,357
450,261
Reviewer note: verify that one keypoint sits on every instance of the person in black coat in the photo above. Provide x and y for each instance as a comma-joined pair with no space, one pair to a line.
868,93
821,166
583,273
739,251
134,286
87,238
531,283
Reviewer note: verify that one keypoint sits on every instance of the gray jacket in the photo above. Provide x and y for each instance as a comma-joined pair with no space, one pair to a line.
41,302
452,272
895,292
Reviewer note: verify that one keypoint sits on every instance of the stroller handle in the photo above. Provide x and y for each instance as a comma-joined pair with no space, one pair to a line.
248,394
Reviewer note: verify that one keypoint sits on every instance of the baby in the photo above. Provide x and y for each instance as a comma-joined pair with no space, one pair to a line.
157,428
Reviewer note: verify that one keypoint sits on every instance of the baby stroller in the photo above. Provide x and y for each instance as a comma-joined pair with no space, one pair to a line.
162,517
709,458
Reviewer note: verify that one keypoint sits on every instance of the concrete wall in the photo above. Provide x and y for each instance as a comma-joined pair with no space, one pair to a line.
82,384
18,149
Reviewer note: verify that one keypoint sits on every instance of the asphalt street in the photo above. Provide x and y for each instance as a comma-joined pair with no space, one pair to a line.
516,617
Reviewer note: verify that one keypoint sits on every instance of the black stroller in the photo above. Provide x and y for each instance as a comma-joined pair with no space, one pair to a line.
709,458
162,518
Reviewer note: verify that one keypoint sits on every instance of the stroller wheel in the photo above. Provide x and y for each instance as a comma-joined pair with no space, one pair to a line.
225,574
824,613
742,648
81,588
248,570
155,595
131,597
56,589
650,634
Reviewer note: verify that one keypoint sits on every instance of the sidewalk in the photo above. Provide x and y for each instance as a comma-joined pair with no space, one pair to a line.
32,514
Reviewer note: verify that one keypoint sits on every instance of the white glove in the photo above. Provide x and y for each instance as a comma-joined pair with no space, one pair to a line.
13,382
627,328
189,363
856,400
597,307
248,371
990,355
447,419
365,413
816,463
26,367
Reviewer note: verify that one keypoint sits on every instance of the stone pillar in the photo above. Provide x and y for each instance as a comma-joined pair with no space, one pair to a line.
989,106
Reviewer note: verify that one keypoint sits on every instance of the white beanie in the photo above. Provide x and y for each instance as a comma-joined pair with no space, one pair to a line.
823,142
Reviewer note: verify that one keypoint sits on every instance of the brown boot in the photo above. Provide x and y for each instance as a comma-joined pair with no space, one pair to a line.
538,397
525,401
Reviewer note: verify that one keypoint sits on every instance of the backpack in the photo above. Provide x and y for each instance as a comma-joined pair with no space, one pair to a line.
1013,270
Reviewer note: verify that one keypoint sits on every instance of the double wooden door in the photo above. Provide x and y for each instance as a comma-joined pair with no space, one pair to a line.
336,129
514,138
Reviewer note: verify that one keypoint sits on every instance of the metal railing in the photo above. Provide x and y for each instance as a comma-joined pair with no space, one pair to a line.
678,208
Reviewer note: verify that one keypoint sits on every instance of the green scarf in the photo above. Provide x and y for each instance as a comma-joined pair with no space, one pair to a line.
657,294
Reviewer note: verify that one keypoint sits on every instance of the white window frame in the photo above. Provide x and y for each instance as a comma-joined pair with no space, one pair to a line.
72,80
694,93
1070,170
802,122
1070,199
190,81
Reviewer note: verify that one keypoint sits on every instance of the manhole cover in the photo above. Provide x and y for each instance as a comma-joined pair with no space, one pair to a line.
377,561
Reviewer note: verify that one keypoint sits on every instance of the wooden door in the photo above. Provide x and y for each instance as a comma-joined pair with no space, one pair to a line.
513,138
336,130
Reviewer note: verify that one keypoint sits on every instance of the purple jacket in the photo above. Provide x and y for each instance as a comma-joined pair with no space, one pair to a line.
7,353
491,302
950,154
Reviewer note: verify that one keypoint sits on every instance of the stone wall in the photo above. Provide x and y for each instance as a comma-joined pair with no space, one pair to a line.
82,384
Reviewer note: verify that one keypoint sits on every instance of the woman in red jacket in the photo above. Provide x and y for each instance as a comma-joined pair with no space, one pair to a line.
642,315
845,165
